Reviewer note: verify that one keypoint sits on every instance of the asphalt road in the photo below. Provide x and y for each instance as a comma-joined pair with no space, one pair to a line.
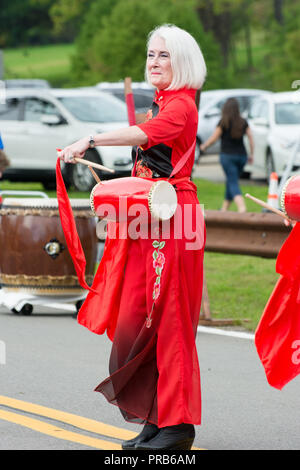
52,361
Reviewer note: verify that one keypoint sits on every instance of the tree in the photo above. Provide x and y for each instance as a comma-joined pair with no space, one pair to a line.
25,22
218,17
67,16
117,45
278,11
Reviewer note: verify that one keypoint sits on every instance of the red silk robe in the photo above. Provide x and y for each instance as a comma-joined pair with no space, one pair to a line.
147,292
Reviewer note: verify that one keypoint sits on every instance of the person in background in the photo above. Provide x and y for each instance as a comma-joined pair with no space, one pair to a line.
233,156
4,162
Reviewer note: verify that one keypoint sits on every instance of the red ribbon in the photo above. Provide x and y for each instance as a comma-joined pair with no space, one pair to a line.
70,230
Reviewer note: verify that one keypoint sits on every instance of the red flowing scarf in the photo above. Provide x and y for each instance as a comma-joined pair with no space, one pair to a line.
277,337
70,230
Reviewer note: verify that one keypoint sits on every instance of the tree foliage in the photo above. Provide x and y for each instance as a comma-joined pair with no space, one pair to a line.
246,43
116,40
25,22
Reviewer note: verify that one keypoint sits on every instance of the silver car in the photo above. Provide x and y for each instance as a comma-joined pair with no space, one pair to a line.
33,123
275,125
210,111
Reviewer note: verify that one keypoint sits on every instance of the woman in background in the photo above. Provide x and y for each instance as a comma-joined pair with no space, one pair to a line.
233,157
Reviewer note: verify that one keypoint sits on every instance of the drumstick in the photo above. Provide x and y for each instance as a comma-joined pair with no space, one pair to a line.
94,165
88,163
94,175
267,206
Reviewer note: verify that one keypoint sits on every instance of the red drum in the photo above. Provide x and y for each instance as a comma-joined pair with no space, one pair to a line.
33,256
119,199
290,198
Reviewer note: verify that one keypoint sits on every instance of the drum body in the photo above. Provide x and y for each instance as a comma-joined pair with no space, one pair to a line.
34,257
120,199
290,198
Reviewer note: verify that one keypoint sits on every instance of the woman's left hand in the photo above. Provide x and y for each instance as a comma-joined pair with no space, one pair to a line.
250,159
77,149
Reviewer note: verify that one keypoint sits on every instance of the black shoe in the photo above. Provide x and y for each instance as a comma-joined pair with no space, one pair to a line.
148,432
180,437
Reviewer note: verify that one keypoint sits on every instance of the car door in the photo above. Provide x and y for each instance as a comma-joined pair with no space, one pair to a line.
259,121
209,120
41,139
12,128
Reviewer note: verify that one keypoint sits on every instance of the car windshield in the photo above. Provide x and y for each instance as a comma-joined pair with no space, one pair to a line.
287,113
95,108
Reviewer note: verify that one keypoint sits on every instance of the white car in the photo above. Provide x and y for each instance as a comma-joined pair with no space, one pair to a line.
274,120
210,112
33,123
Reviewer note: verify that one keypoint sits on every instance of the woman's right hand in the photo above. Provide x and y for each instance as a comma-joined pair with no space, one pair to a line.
290,222
78,149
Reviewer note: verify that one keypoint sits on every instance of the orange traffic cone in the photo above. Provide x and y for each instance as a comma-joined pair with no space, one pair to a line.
273,191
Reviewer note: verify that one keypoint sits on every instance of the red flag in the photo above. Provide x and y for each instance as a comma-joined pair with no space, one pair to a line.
130,109
69,229
277,337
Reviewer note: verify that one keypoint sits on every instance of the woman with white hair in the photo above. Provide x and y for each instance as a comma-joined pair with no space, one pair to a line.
151,287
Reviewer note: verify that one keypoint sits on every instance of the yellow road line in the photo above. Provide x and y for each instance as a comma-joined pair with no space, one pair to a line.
80,422
57,432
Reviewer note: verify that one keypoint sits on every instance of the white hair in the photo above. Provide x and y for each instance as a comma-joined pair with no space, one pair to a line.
187,61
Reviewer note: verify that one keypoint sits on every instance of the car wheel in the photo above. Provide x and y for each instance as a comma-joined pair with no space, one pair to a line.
49,185
81,177
27,309
270,166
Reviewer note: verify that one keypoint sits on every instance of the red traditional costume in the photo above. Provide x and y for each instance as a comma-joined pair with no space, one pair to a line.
277,336
154,370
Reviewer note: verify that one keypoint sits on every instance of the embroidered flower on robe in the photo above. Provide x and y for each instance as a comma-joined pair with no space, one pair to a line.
158,264
159,261
142,170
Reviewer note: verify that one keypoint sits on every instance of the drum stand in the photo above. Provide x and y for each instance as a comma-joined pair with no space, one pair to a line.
22,303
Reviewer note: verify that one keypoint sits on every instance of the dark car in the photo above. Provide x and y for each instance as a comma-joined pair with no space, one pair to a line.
142,93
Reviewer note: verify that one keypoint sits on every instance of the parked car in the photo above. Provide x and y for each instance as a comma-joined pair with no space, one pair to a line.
142,93
274,120
33,123
210,111
26,83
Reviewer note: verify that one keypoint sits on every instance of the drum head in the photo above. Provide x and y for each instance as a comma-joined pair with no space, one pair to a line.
162,200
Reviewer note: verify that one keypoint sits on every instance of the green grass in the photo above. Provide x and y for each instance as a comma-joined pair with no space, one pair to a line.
51,62
239,286
211,195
